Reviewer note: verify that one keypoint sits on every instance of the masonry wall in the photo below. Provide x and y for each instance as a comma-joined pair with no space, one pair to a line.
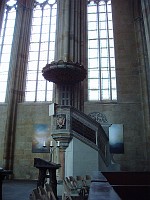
3,114
128,110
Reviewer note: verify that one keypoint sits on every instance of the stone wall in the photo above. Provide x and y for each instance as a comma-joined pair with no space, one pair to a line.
3,114
28,115
128,110
130,115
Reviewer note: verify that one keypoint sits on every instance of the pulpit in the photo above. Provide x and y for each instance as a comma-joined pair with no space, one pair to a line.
43,167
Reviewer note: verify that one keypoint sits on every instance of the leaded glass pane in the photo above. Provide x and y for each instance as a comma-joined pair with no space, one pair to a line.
30,95
101,55
94,95
41,52
6,38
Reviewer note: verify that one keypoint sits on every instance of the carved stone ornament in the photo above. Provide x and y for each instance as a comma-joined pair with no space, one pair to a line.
99,117
61,121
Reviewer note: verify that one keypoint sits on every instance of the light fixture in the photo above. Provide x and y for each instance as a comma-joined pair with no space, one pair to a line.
52,148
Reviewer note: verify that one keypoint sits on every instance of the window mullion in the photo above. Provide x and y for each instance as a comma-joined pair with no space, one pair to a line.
110,85
3,36
39,55
99,46
49,37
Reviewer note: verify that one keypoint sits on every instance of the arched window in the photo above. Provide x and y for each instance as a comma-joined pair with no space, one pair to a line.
6,38
101,56
41,52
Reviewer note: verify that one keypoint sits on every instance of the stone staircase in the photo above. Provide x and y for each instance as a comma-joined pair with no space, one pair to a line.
76,124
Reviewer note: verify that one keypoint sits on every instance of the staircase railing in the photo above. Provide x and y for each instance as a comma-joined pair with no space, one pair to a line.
90,132
69,122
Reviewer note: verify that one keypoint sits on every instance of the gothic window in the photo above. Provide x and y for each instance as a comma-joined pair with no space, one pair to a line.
101,55
6,38
41,51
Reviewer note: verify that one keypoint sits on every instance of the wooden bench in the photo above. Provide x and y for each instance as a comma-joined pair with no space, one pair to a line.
130,185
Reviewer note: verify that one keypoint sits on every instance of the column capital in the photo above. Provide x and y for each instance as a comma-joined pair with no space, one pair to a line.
63,139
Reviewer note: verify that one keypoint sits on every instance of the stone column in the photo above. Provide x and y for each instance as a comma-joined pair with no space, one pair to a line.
146,18
62,161
145,38
16,76
2,6
142,55
69,68
71,44
58,162
71,31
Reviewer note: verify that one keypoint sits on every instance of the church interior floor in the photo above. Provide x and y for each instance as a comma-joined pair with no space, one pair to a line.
17,189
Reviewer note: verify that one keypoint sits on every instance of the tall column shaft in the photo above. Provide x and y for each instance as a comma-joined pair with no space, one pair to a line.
62,161
146,18
71,35
16,76
145,4
2,5
71,44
